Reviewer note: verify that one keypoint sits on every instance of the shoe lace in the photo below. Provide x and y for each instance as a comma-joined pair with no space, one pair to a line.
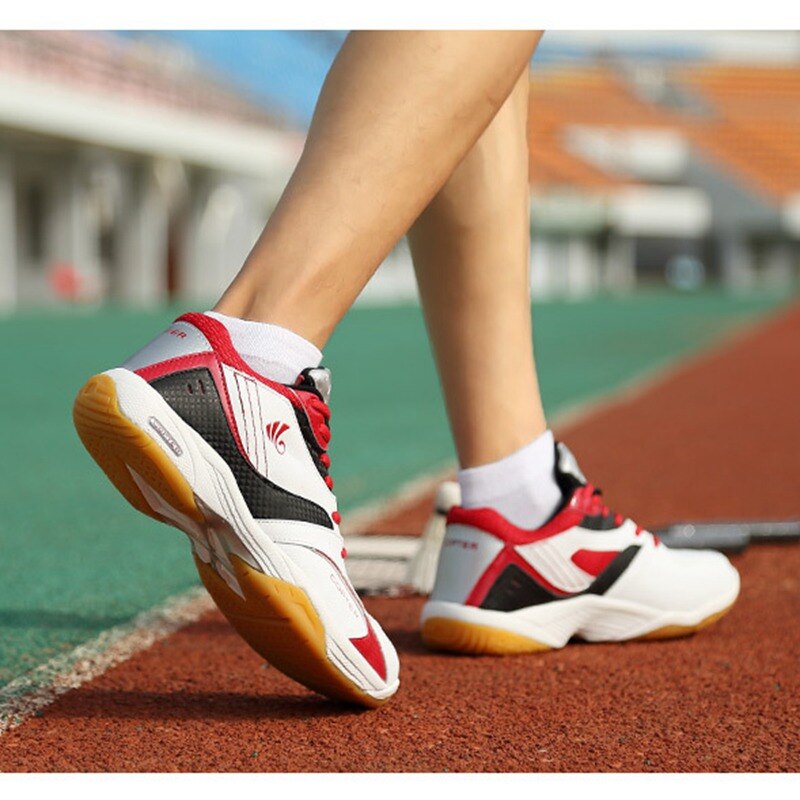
596,507
319,414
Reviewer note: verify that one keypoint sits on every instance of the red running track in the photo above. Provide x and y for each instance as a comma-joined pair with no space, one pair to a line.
720,438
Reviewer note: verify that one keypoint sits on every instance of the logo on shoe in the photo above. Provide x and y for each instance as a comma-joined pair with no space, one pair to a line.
275,431
166,436
461,543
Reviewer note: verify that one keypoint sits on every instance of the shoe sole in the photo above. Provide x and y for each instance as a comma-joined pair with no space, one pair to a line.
276,618
441,633
460,636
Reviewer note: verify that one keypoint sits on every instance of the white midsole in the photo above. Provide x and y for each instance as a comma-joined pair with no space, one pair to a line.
594,618
230,527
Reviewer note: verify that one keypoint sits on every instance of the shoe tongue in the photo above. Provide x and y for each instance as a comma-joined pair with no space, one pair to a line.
568,473
316,379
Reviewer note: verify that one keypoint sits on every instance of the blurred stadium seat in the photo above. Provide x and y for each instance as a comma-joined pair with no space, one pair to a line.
636,164
149,168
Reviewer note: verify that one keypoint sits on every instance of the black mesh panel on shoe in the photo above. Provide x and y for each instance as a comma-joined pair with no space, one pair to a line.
515,588
193,395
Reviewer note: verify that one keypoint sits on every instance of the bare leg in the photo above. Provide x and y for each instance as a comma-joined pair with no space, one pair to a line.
531,540
471,253
398,111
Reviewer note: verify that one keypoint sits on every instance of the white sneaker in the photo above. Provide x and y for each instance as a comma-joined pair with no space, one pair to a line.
587,573
193,437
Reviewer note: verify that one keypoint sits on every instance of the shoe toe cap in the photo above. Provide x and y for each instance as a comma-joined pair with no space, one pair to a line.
705,575
391,659
679,580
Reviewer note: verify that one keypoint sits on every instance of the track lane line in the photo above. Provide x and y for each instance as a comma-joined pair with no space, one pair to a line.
32,691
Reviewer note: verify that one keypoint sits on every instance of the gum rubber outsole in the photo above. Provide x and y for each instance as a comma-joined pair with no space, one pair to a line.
679,631
116,444
278,621
444,633
276,618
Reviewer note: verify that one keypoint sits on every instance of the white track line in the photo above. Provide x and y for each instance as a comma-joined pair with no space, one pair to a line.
36,689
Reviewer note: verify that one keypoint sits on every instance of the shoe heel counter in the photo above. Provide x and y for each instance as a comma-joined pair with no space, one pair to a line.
466,553
179,339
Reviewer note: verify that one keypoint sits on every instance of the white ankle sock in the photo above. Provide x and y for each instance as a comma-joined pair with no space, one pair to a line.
274,352
522,487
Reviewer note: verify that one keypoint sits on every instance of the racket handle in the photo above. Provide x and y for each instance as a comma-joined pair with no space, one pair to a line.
732,538
729,536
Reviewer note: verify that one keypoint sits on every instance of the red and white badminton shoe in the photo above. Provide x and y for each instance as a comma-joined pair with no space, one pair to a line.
193,437
587,573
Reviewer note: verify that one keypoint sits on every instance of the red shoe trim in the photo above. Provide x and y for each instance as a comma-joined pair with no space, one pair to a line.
508,555
593,561
490,521
220,340
370,648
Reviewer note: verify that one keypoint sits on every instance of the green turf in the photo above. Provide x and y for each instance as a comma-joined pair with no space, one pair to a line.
76,559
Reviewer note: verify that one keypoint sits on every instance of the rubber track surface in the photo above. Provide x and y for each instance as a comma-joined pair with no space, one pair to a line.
719,439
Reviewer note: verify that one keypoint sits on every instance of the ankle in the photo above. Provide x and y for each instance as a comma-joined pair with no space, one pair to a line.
271,350
522,486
